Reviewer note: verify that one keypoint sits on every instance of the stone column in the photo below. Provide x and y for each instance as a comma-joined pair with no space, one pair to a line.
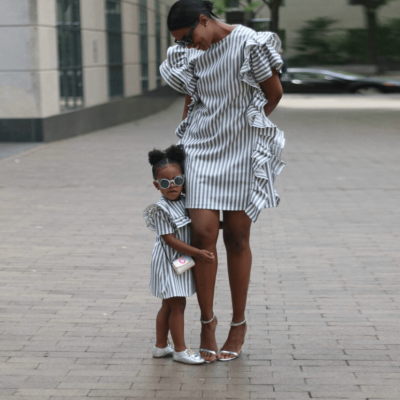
28,64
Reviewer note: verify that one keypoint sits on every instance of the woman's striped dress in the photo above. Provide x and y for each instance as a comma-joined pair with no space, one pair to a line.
233,151
168,217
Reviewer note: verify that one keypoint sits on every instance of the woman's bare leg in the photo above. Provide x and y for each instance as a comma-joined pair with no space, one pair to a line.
205,229
177,321
236,237
162,327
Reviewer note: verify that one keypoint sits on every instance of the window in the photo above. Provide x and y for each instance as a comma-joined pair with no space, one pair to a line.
143,45
158,43
232,4
114,43
168,37
69,54
261,24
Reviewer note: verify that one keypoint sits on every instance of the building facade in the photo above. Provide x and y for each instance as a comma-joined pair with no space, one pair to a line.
74,66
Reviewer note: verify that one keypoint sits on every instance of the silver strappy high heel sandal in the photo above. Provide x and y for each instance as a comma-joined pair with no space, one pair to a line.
207,350
236,355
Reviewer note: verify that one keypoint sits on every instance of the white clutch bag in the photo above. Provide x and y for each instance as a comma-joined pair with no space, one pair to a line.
182,264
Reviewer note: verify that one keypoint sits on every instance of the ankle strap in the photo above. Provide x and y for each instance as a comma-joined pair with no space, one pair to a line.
239,323
207,322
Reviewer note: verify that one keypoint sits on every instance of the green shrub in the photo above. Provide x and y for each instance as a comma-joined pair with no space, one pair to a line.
318,42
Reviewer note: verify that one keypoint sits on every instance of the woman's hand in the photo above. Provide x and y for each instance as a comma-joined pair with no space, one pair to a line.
188,100
272,89
205,256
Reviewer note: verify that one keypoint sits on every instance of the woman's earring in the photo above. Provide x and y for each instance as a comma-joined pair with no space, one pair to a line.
206,23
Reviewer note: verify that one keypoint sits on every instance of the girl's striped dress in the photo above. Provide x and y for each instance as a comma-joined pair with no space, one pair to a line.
233,151
168,217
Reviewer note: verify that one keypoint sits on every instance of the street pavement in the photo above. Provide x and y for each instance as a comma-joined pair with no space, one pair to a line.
77,319
9,148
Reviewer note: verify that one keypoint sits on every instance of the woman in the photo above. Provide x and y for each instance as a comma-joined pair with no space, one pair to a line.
230,77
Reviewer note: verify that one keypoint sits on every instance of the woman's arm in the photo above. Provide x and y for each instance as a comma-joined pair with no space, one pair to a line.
272,89
185,248
188,99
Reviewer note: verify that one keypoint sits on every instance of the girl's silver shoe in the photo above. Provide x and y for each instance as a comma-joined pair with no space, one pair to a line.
165,352
188,357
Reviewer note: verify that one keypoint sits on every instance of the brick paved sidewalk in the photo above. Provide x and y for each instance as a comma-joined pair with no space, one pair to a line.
77,318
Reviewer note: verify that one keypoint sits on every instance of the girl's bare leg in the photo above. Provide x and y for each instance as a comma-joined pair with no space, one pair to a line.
176,322
236,237
205,229
162,327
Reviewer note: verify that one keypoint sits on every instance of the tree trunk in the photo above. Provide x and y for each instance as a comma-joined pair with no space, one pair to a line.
372,29
274,8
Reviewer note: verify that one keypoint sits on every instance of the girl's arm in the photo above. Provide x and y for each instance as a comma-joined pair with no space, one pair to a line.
272,89
188,99
185,248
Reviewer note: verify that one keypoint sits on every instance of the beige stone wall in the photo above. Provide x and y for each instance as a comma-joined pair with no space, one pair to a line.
28,67
29,83
130,23
94,52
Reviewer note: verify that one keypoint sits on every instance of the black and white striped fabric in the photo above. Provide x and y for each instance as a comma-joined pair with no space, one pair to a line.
168,217
233,150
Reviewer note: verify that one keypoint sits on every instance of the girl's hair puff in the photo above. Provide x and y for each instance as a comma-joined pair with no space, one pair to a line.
175,154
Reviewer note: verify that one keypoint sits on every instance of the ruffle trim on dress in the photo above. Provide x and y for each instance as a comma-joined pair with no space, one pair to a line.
260,57
266,164
162,206
178,72
182,127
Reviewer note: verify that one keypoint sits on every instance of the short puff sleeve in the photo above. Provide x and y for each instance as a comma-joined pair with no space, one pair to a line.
157,220
163,223
178,69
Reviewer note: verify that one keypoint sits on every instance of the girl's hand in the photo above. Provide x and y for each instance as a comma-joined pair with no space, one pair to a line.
205,255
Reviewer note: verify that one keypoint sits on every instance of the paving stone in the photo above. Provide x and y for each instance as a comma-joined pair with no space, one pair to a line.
107,393
225,395
94,385
85,398
7,392
51,392
350,396
280,396
9,384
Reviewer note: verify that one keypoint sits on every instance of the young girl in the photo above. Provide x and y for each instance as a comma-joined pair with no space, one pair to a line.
170,220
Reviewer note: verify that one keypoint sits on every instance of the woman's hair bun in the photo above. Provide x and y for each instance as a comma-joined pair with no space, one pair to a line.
176,153
184,13
155,156
208,4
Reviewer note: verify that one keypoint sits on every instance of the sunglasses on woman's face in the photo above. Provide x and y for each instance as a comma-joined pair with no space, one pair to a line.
187,39
166,183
